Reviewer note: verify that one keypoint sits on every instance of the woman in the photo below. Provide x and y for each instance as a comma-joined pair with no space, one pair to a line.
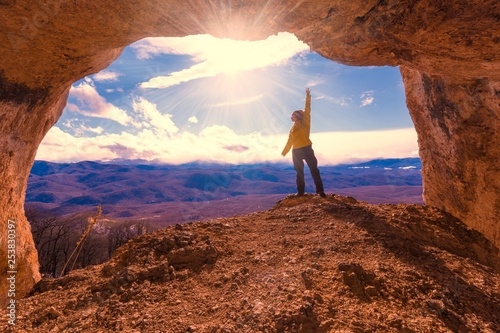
301,145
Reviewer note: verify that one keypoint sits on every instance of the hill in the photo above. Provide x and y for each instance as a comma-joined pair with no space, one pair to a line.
173,193
308,264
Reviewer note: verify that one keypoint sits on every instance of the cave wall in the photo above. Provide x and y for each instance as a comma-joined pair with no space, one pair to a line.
448,53
20,138
458,129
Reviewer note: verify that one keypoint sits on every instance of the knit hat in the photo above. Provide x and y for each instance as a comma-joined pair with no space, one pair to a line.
299,114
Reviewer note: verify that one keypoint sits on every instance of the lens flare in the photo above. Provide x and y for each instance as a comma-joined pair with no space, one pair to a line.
238,84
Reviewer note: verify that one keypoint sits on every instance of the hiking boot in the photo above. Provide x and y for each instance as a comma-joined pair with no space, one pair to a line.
322,194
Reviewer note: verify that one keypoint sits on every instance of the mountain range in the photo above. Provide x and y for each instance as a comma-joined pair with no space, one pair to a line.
194,191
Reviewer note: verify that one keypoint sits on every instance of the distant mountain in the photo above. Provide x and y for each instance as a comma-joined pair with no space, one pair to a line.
394,163
170,191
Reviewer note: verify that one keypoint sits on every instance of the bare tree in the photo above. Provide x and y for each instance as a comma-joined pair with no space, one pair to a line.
120,233
56,239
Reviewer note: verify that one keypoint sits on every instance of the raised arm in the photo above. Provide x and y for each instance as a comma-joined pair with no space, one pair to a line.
307,109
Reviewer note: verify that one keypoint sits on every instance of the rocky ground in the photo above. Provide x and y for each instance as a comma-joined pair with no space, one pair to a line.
309,264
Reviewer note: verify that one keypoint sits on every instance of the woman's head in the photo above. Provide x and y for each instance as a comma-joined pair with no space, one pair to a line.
297,115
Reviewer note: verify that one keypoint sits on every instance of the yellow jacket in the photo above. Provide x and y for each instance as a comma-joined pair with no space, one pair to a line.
299,133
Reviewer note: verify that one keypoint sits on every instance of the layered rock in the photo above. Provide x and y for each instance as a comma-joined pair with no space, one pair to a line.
449,53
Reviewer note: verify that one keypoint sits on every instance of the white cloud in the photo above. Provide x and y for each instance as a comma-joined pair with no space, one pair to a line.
215,56
80,129
367,98
342,101
151,116
313,83
193,120
90,103
106,76
97,130
109,90
367,101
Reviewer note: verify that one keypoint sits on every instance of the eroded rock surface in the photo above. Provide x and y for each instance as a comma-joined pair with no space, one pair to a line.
449,53
459,140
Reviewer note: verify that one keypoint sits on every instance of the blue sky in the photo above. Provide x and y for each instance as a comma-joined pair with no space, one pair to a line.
199,98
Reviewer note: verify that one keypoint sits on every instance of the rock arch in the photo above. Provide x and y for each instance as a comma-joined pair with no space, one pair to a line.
448,53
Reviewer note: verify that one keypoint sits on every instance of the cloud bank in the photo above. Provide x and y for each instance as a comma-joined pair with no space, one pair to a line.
159,139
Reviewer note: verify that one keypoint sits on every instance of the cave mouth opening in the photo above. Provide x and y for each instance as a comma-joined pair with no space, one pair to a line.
205,99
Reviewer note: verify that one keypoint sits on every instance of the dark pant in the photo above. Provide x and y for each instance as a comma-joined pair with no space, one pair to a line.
298,157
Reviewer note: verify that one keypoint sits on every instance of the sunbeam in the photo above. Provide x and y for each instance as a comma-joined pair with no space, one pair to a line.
232,83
